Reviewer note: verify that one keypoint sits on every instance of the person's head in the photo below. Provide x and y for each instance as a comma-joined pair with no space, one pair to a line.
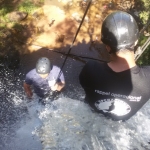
119,32
43,67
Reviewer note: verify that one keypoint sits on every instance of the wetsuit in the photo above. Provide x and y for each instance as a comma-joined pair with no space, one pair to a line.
42,86
118,95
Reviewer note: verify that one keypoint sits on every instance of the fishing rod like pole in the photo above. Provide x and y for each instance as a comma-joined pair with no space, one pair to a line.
67,54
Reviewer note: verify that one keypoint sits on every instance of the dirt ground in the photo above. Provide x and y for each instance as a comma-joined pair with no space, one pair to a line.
55,24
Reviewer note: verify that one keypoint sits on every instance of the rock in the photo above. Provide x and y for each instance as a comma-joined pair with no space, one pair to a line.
77,17
17,16
38,14
12,58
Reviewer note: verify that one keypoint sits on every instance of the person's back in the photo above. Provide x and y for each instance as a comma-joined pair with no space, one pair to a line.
117,89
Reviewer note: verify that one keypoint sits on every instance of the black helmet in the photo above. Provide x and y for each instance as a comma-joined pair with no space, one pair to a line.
119,31
43,65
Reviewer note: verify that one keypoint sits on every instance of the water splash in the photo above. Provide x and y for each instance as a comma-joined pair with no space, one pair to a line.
64,124
70,125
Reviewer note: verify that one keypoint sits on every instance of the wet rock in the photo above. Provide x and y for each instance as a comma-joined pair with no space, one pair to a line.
17,16
12,58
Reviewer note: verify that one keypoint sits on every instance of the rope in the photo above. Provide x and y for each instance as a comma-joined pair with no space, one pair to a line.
74,55
73,41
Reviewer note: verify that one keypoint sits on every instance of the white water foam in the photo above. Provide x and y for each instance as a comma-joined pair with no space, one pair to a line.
69,124
65,124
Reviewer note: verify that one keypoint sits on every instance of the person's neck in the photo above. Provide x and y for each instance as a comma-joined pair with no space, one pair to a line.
122,61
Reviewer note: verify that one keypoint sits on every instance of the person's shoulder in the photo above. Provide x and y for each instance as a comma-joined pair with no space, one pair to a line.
94,64
31,72
54,67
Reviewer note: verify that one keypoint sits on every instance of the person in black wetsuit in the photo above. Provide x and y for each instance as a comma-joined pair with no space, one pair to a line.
119,88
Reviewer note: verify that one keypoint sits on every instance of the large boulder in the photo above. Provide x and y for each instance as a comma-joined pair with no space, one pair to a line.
17,16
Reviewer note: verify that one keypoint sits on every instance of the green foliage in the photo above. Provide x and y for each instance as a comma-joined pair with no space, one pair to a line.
18,26
42,1
146,3
145,58
4,10
142,40
144,15
27,6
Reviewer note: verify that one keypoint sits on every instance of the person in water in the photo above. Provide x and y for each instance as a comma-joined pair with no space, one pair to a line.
119,88
43,79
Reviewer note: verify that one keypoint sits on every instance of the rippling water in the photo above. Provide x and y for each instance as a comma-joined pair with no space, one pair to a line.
69,124
64,124
11,96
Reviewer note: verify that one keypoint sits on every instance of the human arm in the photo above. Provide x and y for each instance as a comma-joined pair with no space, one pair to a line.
28,82
28,90
58,86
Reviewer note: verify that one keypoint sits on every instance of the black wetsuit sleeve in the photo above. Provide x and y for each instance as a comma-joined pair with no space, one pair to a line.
84,76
